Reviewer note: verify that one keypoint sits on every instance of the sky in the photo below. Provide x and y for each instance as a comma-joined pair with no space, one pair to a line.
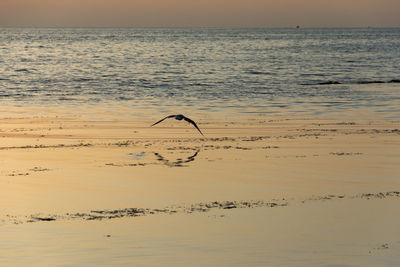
200,13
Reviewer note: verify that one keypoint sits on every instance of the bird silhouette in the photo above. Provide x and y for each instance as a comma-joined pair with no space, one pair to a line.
180,117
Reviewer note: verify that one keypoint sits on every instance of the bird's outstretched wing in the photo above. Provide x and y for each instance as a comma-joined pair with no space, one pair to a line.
192,122
170,116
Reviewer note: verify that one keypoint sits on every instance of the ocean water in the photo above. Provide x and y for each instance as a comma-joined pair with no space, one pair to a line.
294,71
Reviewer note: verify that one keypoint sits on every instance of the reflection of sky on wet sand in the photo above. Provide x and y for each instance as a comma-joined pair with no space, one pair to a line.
314,234
57,165
130,163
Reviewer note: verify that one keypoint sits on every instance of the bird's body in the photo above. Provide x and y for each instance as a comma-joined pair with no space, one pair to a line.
180,117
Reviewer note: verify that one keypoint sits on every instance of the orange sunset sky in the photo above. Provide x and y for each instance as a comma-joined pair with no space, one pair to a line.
200,13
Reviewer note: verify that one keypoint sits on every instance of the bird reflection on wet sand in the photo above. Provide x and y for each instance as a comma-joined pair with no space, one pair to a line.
179,162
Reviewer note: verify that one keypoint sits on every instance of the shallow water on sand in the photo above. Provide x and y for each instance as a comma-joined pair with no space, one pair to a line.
119,192
338,233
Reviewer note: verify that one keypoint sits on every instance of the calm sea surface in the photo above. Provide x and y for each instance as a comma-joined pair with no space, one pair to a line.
307,71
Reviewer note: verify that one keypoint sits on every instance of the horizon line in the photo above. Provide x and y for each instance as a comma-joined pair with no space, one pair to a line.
297,27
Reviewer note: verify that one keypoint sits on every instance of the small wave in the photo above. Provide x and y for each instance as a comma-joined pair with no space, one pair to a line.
33,90
353,82
63,98
253,72
369,82
93,93
330,82
124,98
22,70
322,83
82,79
377,81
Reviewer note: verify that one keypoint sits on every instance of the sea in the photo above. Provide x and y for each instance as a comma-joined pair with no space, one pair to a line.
272,71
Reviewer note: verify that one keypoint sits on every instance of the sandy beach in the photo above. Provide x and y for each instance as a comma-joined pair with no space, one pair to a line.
262,190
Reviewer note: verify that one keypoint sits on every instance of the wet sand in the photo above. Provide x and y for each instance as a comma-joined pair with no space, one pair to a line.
339,233
255,190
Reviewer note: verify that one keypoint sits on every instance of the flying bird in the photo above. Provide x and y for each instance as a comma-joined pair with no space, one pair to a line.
179,118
